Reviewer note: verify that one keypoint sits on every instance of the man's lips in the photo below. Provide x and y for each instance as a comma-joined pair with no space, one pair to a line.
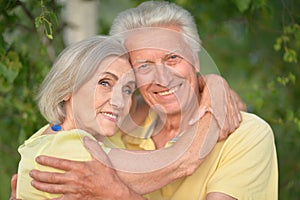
168,91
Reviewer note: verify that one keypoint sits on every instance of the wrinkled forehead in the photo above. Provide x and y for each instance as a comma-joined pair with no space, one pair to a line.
119,66
118,63
163,39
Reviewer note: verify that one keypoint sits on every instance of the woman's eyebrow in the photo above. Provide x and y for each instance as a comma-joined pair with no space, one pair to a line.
131,83
111,74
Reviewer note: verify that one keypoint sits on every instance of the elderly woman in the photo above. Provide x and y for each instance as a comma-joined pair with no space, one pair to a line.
86,93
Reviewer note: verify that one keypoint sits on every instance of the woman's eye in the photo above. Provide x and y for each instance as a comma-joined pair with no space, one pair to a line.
127,90
104,83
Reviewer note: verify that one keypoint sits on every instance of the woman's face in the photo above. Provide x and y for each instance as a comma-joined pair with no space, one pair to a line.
101,104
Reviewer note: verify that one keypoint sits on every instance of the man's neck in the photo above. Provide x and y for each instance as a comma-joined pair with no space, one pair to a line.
172,125
165,130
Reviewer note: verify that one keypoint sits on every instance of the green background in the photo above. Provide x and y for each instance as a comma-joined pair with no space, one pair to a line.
254,43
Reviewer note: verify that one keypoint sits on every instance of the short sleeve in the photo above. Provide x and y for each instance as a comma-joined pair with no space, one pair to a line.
68,145
247,168
64,144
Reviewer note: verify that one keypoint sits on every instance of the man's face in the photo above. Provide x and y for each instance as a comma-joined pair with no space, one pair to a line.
165,75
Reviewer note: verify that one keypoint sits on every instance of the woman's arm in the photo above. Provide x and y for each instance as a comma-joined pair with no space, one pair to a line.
13,185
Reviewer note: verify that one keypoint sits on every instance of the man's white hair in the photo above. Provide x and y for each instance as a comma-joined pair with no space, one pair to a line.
159,14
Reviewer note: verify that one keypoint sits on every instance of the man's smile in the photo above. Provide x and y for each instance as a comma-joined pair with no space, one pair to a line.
168,91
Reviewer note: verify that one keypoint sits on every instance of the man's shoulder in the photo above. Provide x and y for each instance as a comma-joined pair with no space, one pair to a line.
252,130
253,122
252,118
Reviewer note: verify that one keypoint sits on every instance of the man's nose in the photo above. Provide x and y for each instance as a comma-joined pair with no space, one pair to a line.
162,75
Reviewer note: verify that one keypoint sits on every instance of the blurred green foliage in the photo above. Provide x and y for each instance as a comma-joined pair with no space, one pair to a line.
255,44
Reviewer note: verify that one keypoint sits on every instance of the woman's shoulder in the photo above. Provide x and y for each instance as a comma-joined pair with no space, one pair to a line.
71,136
64,144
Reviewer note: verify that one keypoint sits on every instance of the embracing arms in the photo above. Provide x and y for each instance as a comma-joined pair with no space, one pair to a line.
92,175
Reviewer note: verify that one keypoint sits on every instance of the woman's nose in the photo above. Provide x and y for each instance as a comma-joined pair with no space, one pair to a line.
117,99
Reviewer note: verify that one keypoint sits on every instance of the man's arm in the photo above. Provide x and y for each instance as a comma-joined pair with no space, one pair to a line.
90,178
96,181
223,101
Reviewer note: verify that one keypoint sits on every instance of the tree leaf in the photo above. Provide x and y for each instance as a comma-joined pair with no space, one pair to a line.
242,5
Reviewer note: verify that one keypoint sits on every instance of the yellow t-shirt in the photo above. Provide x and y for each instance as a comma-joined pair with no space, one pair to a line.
64,144
244,166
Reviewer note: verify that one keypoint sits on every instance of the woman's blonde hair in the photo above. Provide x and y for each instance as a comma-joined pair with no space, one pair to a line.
73,67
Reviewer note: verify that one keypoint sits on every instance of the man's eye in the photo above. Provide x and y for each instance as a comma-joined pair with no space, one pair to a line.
173,56
143,68
173,59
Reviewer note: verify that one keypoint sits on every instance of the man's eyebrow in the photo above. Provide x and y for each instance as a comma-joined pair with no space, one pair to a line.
141,61
145,61
170,52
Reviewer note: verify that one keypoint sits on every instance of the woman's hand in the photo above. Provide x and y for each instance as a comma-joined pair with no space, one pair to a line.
13,185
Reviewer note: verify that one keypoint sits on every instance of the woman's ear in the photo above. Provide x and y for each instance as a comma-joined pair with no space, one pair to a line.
67,98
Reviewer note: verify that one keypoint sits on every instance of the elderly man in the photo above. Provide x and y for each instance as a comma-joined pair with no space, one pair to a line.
163,44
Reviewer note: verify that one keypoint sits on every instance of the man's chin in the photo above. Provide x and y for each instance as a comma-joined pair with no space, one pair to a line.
169,110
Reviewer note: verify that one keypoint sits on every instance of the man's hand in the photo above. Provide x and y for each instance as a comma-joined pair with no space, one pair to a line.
81,180
218,97
242,106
